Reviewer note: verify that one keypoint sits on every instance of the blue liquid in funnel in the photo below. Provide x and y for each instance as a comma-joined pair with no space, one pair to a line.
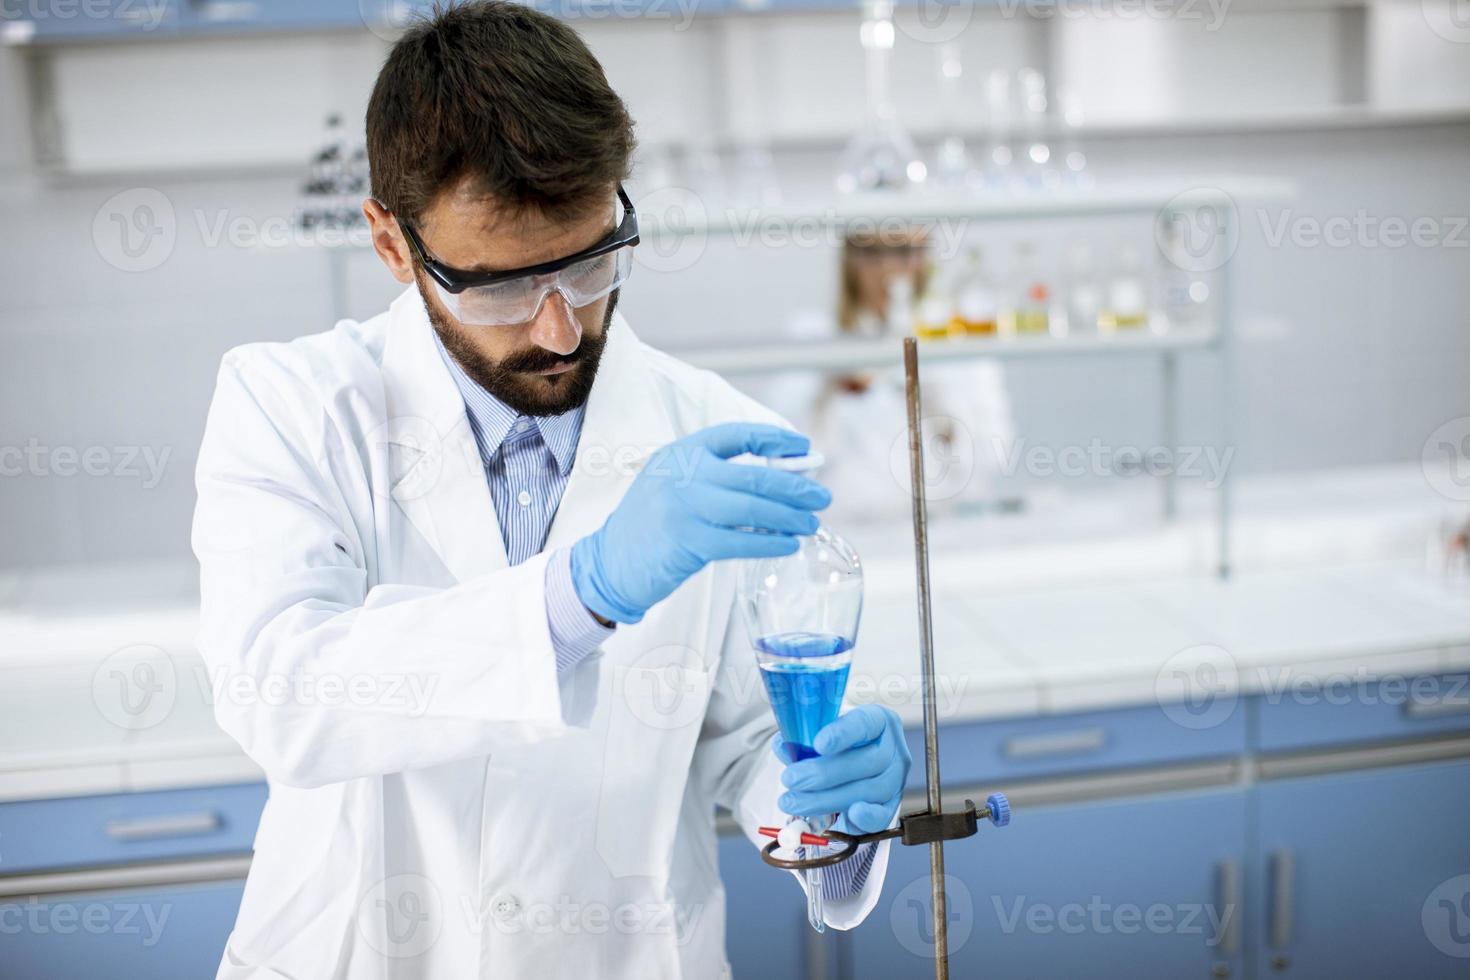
805,695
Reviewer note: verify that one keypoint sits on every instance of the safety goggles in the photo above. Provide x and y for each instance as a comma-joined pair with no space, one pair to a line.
515,295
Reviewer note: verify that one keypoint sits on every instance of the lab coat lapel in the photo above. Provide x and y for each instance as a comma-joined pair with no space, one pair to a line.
435,470
624,424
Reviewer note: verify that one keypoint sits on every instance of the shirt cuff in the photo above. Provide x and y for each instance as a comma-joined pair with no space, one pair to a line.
845,879
575,633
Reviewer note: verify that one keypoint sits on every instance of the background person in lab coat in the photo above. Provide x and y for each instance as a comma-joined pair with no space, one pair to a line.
857,419
476,541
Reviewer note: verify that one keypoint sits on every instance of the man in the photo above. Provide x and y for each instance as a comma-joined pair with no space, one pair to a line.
477,542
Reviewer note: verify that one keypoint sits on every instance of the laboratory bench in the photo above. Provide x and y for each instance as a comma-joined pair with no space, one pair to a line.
1291,744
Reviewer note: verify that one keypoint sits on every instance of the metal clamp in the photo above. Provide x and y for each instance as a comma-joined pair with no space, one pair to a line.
919,827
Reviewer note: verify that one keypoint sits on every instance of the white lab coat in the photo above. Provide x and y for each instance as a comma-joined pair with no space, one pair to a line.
442,804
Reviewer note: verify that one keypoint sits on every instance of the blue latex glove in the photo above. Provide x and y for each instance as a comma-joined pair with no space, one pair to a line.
859,773
690,506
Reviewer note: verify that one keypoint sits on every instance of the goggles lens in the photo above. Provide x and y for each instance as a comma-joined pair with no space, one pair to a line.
519,300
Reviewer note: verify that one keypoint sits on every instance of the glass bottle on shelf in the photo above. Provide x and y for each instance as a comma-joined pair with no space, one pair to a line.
934,309
1073,163
1084,294
974,311
1032,295
1127,298
881,156
1041,171
999,156
1183,294
953,166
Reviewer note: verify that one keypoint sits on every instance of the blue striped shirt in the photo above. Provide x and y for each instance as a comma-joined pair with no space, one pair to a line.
527,463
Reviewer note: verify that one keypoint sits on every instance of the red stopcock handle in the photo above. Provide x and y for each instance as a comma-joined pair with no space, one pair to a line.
810,839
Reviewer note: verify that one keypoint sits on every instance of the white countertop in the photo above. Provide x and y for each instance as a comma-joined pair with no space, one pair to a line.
1010,640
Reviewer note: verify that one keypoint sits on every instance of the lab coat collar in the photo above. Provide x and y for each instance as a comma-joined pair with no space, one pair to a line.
437,474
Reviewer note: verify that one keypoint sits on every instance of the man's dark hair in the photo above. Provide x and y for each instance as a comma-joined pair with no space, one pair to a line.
504,96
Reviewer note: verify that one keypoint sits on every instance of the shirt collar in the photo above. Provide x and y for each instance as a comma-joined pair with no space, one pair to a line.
493,421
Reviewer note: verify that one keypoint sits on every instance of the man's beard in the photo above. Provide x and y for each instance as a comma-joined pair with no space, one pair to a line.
506,381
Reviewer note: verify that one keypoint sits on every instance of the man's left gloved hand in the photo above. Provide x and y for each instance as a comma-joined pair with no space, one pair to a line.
859,772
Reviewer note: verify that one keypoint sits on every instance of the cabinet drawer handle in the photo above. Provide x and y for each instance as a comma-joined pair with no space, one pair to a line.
1227,881
1055,743
173,825
1282,873
1444,707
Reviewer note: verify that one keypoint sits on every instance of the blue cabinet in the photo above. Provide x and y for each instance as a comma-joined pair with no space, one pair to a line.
128,828
123,885
986,753
175,933
1148,887
1364,874
1396,709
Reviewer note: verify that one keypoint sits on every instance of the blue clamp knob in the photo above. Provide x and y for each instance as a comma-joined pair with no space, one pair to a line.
1000,809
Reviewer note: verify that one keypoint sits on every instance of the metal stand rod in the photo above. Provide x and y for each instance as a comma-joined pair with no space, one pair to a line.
926,653
1225,358
1169,391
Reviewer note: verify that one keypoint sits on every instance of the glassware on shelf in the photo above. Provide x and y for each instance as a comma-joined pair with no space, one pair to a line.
1073,163
953,166
1084,294
974,312
881,156
802,612
933,312
1126,305
999,155
332,196
1030,296
1184,295
1041,171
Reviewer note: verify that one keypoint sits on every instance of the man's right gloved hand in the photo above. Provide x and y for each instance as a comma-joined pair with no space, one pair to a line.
690,506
